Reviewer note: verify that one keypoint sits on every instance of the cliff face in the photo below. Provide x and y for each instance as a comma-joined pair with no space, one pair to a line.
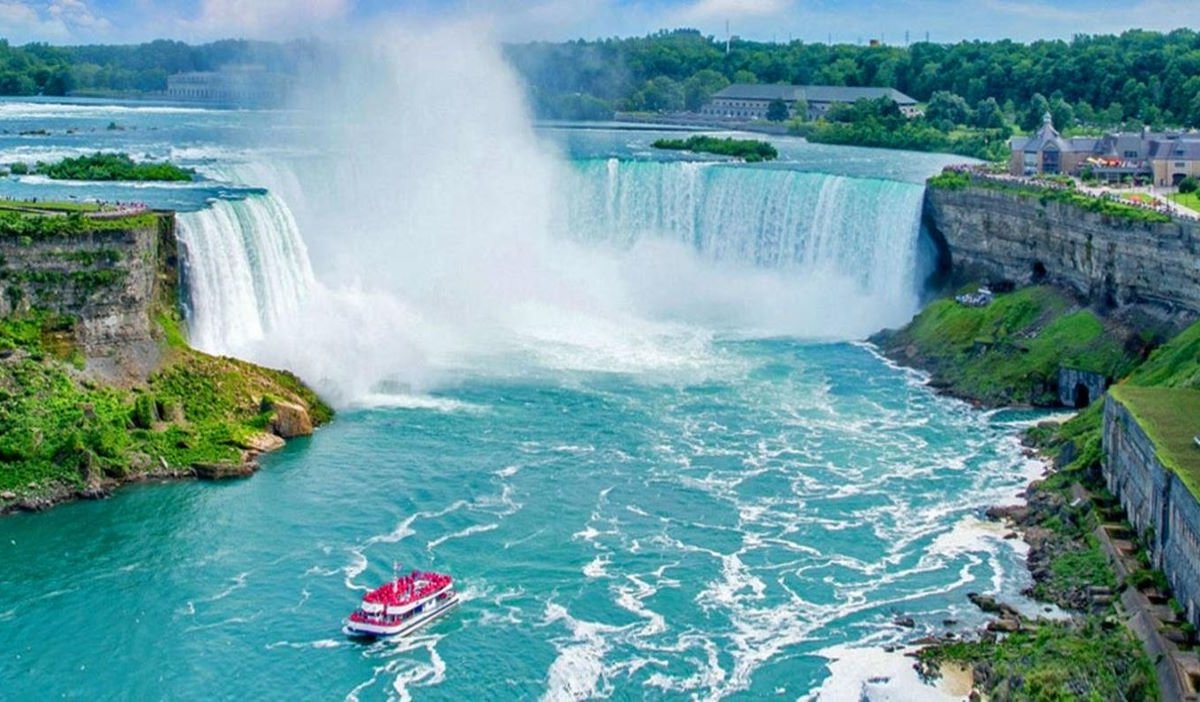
107,280
1109,261
1159,504
97,383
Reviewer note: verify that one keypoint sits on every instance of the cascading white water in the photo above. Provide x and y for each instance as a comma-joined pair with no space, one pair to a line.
246,268
449,240
795,222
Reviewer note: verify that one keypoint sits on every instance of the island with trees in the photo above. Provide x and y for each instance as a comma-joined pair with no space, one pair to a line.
749,150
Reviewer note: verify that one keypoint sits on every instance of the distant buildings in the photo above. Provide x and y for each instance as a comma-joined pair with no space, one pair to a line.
743,101
233,86
1163,157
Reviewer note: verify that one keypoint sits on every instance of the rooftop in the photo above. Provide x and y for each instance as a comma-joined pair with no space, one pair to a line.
1171,418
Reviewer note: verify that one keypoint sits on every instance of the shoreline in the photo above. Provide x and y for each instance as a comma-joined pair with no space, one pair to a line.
43,498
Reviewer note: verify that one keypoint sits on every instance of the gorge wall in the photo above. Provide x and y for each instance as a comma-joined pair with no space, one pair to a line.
1111,262
1159,504
107,279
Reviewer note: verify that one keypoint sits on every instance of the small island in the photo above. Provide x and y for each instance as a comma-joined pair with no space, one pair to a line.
107,167
749,150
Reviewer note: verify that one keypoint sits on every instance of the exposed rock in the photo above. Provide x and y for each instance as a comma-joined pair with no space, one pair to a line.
1110,261
290,420
262,442
8,495
1007,625
906,622
224,471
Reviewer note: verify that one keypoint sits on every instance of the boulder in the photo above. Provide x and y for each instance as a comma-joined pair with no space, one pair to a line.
290,420
8,495
262,442
223,471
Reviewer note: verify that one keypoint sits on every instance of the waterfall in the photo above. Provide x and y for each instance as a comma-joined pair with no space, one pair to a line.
798,223
246,268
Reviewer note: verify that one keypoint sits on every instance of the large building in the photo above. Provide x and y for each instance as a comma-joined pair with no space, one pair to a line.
1164,158
744,101
234,86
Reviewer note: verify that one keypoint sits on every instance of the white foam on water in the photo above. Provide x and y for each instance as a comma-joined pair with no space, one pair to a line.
462,534
578,670
379,400
875,675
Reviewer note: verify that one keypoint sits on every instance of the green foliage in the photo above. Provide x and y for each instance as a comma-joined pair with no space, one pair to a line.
113,166
1091,660
57,429
777,110
1107,207
950,180
879,123
1168,416
1136,77
36,226
1009,352
1189,185
750,150
19,168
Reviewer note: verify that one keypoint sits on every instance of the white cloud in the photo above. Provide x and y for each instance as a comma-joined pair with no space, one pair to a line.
50,20
265,18
720,10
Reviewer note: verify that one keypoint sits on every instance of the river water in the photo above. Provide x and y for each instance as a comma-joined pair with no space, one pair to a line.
700,487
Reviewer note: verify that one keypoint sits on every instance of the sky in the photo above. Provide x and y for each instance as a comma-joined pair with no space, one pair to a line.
850,21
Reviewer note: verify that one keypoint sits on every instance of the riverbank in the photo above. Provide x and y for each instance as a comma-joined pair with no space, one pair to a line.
98,386
1008,349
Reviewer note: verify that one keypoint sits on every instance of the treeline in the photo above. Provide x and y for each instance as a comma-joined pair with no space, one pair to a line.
879,123
1135,77
41,69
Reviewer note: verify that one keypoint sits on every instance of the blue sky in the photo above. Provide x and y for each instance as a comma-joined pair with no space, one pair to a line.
76,21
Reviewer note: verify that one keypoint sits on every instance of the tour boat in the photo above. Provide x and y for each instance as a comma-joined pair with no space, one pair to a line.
402,606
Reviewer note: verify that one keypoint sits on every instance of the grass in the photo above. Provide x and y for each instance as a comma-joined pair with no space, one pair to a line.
48,206
1053,662
33,225
953,180
1170,417
59,429
1009,352
1191,200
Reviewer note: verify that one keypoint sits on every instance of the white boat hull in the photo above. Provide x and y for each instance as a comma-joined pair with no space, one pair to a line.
406,626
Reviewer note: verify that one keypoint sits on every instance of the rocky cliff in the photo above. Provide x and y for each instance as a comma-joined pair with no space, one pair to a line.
1112,262
97,383
1160,505
106,279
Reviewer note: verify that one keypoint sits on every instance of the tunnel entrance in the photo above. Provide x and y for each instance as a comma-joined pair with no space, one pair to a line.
1082,396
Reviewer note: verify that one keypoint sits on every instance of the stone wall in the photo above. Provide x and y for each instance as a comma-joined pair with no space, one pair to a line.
1079,388
1157,501
108,280
1110,261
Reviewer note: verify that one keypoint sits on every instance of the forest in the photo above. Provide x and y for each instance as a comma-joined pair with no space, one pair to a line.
1138,77
42,69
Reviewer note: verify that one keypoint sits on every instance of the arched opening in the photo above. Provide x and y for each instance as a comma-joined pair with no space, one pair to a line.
1082,396
1039,271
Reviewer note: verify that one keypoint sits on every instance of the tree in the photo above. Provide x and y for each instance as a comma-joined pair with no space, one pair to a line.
947,108
1062,113
1036,112
777,111
700,87
1189,185
988,115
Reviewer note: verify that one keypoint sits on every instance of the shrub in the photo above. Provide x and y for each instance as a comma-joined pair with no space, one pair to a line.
1189,185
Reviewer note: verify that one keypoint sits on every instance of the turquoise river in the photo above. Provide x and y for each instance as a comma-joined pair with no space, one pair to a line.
642,433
